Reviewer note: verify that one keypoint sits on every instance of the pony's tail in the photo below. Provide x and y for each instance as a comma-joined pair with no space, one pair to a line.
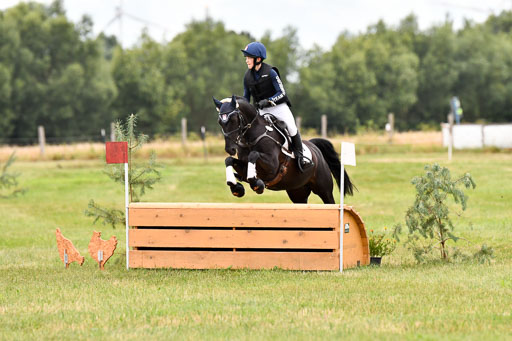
333,160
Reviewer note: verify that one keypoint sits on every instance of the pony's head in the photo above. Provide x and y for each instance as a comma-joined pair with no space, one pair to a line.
230,122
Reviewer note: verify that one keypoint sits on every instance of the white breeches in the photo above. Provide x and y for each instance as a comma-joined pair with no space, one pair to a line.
282,112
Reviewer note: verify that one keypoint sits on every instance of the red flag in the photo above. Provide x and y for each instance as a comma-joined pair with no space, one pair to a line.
117,152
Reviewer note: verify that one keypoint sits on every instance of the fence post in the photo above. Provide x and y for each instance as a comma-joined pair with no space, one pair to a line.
450,137
203,137
184,132
42,139
112,132
324,126
391,126
298,122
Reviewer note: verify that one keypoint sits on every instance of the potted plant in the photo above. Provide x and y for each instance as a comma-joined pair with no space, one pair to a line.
380,244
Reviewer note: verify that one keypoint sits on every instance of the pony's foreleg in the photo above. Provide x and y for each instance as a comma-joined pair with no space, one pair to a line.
257,185
237,189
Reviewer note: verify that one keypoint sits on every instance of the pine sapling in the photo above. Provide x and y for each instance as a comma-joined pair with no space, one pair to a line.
430,216
141,177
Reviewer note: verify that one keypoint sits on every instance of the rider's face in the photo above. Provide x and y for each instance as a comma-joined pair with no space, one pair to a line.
250,62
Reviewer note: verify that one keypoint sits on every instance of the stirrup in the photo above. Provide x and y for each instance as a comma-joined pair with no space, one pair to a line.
307,164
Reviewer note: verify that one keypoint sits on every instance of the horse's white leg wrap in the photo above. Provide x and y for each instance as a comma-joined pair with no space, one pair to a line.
251,170
230,175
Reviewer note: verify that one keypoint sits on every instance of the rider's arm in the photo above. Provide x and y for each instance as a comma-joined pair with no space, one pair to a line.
278,85
247,93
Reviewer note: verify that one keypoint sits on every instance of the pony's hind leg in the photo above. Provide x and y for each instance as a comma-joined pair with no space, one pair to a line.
324,190
325,194
299,195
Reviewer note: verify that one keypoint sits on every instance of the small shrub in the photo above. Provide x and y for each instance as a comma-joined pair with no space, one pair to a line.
9,181
381,244
428,220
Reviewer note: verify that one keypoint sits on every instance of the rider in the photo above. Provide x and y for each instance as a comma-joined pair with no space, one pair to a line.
262,81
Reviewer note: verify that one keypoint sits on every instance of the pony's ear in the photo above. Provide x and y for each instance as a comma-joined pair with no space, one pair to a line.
218,103
234,103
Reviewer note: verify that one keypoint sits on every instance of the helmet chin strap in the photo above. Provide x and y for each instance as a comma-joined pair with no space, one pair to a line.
255,63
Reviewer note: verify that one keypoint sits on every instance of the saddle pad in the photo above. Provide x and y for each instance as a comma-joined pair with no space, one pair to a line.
306,152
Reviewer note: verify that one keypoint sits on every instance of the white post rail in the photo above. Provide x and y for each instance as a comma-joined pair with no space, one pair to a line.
342,228
348,157
117,152
126,204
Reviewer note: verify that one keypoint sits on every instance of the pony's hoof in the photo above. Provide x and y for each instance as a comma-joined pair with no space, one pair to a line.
258,187
238,190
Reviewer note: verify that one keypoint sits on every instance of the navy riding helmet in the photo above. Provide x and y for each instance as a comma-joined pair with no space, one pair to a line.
255,50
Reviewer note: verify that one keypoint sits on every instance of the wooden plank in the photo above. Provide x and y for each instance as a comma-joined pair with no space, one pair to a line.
235,260
355,247
235,206
232,216
243,239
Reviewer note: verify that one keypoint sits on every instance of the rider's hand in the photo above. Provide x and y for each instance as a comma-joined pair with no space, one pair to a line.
263,103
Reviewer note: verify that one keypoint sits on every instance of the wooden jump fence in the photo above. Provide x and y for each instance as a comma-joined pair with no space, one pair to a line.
253,236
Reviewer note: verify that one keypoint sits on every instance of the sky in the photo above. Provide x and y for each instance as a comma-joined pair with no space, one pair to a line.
318,22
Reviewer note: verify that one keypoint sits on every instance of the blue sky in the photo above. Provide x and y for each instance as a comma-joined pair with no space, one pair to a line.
317,21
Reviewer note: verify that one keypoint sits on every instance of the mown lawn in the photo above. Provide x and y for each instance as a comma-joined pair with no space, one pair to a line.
39,299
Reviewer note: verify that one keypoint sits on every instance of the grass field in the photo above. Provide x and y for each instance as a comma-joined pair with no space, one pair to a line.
39,299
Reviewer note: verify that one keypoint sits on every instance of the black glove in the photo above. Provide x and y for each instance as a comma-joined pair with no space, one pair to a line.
263,103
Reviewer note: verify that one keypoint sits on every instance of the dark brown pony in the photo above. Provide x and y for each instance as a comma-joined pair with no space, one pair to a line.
264,161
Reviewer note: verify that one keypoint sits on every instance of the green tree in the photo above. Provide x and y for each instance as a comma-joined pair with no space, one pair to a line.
283,52
142,86
437,76
484,85
215,68
56,74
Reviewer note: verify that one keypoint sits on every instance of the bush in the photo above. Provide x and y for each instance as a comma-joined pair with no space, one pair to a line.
381,244
428,220
9,181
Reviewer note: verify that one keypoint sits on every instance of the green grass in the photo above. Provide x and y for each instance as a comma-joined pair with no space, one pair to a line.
39,299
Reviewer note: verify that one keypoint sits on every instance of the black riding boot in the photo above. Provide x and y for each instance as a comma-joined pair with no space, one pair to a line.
302,162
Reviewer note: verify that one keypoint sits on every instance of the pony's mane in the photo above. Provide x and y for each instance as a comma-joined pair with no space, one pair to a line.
238,98
243,102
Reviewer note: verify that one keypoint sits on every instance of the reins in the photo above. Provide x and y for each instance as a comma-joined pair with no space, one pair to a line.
243,130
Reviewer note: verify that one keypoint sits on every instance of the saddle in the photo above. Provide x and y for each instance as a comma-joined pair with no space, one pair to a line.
280,127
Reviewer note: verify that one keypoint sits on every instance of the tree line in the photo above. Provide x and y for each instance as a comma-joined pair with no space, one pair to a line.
55,73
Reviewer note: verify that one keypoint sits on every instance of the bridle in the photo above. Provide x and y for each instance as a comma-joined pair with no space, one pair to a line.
242,128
